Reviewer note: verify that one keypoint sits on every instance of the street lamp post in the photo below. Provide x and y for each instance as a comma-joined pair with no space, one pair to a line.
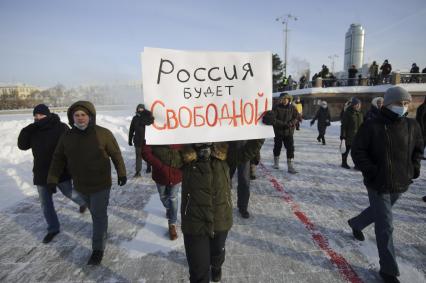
284,20
332,57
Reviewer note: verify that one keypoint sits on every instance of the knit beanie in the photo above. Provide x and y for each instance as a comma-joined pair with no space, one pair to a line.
355,101
395,94
41,109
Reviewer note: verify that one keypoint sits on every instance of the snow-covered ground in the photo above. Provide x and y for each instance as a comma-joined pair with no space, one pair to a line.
297,231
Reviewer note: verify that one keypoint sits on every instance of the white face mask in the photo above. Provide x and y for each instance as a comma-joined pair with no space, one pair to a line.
400,110
81,126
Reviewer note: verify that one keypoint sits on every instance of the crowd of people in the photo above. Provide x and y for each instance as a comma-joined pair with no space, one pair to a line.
385,146
376,75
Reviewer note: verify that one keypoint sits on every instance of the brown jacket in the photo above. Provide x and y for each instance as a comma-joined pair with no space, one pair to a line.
87,154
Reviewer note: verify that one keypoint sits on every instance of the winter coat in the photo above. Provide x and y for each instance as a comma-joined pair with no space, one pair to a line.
323,117
87,154
374,71
286,118
372,113
162,173
421,118
137,130
386,69
206,205
351,122
387,150
42,137
352,73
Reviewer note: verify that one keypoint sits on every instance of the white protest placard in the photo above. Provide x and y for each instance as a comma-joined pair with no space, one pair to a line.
206,96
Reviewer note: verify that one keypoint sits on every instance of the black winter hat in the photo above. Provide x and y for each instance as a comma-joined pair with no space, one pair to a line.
41,109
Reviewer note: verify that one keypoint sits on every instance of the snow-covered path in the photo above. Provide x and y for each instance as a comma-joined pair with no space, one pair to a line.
297,232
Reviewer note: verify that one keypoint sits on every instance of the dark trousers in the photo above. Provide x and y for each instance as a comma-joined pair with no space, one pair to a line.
138,152
380,213
321,134
98,206
346,153
243,188
203,253
288,144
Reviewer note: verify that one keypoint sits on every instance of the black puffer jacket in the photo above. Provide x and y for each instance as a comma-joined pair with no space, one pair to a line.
286,118
42,137
137,127
387,150
323,117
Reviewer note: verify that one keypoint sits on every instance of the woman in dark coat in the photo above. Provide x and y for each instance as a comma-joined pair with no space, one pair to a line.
323,117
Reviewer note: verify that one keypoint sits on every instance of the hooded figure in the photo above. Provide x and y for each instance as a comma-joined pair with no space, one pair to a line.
142,119
376,105
323,117
206,209
41,137
87,150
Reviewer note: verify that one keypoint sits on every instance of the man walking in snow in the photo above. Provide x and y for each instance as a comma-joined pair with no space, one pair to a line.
87,150
351,121
284,118
42,137
387,150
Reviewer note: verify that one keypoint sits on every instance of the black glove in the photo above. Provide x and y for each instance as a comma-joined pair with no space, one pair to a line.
268,118
147,118
31,128
312,123
130,143
122,180
51,187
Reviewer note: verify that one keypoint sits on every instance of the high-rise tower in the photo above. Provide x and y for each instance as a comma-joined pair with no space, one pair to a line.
354,47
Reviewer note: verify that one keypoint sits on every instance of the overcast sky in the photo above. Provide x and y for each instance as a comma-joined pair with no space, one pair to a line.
97,41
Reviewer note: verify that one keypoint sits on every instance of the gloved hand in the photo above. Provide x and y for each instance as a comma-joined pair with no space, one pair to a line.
147,118
122,180
312,123
51,187
31,128
130,143
268,118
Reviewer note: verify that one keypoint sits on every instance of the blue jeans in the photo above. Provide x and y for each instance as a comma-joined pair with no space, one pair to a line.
98,206
169,198
48,207
380,213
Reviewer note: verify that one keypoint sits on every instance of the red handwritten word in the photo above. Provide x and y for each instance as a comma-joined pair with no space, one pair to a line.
234,113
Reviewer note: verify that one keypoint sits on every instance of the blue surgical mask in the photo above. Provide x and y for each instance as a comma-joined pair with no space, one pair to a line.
400,110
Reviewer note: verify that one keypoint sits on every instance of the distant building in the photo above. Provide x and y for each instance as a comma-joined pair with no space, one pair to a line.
19,91
354,47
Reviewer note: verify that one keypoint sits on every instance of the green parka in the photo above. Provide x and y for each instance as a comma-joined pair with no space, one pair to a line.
206,205
87,154
351,122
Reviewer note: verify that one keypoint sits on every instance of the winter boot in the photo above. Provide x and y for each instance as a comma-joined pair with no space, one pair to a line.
172,232
49,237
290,167
276,162
345,162
82,208
216,266
319,138
323,140
252,172
148,168
96,258
388,278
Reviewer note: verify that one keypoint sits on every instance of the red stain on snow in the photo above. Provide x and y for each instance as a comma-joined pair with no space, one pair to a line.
320,240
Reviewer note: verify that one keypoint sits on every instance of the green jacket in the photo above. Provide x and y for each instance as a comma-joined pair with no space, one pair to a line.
206,205
351,122
87,154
